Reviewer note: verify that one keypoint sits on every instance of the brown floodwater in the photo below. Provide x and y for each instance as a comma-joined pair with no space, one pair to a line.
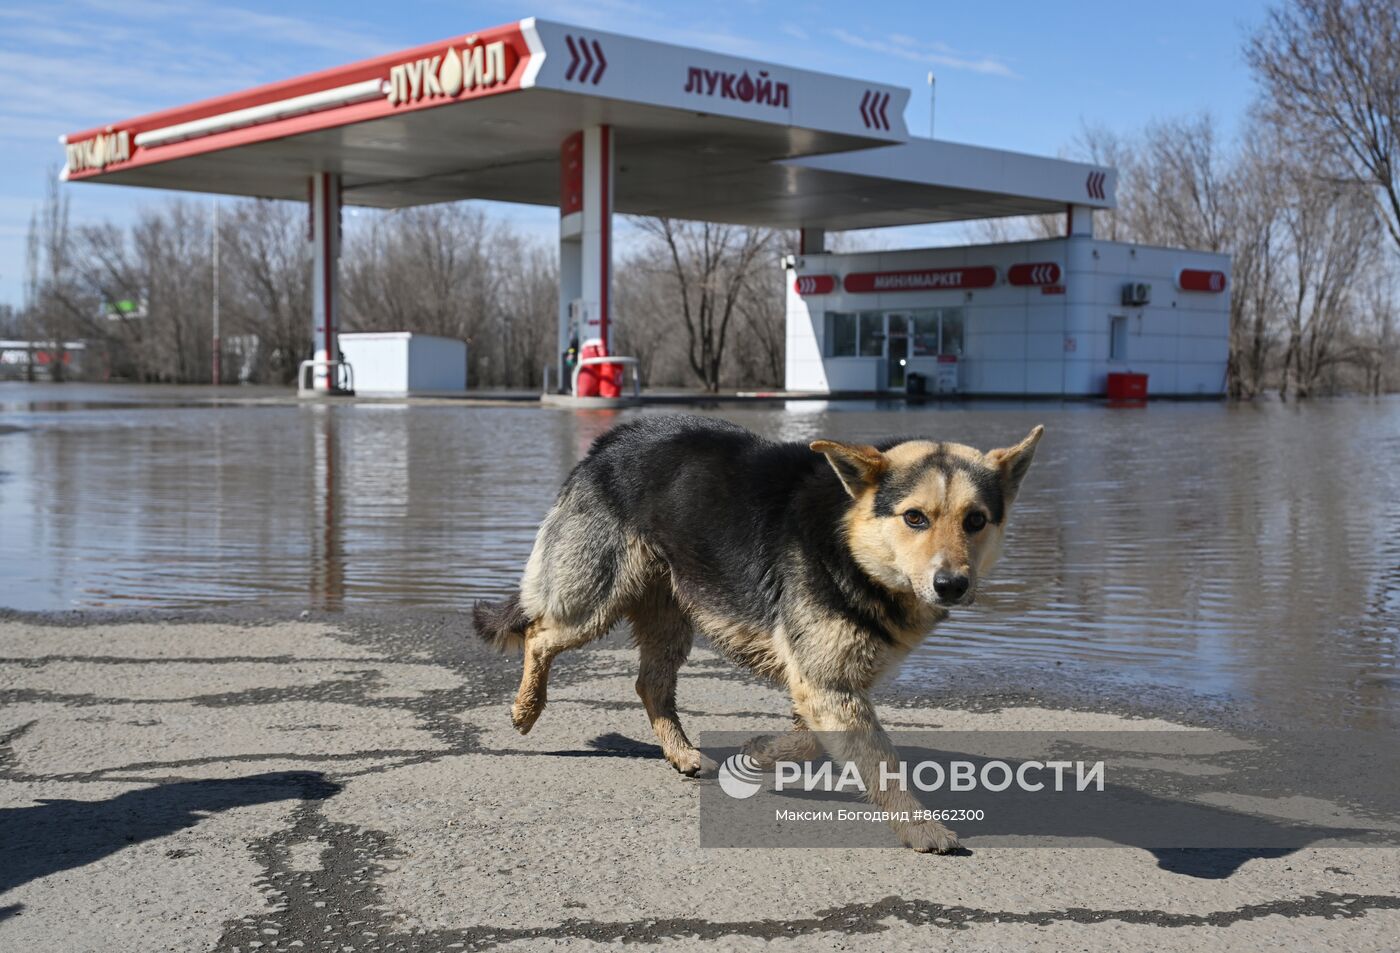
1246,552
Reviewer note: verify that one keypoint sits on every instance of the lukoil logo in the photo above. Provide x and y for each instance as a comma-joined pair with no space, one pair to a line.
740,776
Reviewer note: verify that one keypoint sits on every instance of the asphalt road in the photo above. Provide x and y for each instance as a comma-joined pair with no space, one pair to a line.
235,784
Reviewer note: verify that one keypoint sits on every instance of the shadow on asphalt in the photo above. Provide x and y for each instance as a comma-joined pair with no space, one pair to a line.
56,835
1213,863
616,745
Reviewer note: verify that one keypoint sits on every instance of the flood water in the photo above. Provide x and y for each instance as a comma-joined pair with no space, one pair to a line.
1246,552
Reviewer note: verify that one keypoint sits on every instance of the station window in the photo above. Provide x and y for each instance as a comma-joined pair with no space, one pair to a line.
929,333
1118,337
951,339
872,334
938,331
925,333
840,334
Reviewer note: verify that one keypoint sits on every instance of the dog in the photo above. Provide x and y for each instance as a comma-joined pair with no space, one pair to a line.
818,566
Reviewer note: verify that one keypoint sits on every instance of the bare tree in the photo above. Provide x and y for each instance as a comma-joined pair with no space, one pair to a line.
266,286
451,271
422,269
1332,234
1377,330
1331,72
645,327
526,311
711,268
1256,251
173,244
1181,197
1017,228
763,331
50,302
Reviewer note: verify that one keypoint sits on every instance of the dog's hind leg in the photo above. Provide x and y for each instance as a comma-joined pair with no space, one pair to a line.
663,637
581,576
584,572
544,640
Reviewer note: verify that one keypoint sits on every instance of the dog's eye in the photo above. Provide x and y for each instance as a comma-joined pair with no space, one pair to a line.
915,519
974,521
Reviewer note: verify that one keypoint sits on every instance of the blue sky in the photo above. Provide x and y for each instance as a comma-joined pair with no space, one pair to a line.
1021,76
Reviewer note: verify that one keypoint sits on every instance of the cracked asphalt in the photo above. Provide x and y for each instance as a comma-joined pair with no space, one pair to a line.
235,784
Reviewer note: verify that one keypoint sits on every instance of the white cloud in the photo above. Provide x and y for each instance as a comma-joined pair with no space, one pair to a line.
214,20
151,55
600,14
931,54
656,22
74,65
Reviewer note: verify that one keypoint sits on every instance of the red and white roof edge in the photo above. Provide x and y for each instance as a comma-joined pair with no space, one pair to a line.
353,93
530,31
516,56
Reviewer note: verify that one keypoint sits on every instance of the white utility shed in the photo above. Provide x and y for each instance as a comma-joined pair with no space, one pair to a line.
400,362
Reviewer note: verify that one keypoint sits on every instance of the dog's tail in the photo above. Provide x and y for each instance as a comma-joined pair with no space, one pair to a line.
501,625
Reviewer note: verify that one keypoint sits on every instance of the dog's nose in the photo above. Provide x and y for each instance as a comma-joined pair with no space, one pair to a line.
950,587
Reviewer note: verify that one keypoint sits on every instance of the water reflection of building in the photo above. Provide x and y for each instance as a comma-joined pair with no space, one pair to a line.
427,506
327,570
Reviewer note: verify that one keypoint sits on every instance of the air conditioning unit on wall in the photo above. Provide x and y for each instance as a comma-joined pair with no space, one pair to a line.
1137,292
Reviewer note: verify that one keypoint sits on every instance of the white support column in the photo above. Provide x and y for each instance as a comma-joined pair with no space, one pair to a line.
570,229
596,264
1084,320
585,237
325,282
1080,221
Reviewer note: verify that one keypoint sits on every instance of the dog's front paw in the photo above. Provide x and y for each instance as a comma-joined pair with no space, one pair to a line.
523,717
692,763
928,837
768,750
760,749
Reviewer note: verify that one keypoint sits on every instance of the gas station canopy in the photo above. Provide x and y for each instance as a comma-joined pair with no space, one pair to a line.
698,135
593,123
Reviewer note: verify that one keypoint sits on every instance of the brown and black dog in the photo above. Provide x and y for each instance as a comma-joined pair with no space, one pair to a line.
819,571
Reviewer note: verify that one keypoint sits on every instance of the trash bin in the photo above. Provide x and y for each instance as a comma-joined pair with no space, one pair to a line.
915,384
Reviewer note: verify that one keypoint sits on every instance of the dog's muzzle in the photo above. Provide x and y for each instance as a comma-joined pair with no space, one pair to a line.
951,588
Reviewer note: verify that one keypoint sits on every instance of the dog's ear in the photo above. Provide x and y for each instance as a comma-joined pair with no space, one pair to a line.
859,466
1013,462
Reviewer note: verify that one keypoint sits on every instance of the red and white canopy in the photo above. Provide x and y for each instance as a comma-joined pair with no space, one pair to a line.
699,135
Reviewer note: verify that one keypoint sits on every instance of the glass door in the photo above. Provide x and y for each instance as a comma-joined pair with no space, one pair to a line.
896,349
